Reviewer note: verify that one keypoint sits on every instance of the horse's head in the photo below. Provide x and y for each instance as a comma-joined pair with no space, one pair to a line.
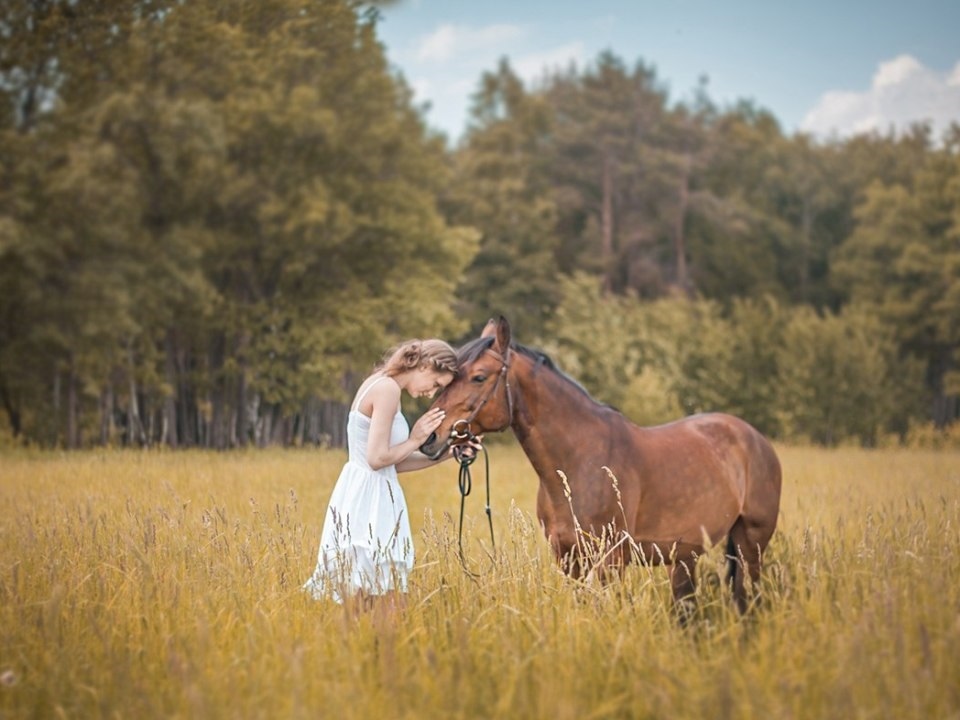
479,399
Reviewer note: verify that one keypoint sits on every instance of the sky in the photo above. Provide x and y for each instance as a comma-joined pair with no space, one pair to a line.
831,68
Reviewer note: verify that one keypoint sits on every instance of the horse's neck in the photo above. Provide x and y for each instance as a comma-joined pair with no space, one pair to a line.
551,419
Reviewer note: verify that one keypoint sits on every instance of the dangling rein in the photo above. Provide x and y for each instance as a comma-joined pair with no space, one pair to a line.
465,455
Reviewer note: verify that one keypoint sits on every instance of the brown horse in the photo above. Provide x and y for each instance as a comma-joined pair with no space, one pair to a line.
610,491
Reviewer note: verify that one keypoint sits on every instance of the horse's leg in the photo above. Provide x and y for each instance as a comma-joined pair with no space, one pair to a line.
684,584
609,564
744,547
735,566
751,533
572,563
569,557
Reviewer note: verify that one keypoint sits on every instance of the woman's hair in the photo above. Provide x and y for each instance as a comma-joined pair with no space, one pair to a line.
413,354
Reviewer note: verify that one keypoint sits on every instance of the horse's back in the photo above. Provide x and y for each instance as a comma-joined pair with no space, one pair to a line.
719,433
712,468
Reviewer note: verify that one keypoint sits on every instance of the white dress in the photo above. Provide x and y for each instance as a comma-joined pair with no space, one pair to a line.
366,542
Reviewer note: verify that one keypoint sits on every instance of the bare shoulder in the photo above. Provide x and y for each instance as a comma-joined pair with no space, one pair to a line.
387,388
378,392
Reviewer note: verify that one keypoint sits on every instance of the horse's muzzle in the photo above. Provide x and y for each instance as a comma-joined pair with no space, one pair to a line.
434,453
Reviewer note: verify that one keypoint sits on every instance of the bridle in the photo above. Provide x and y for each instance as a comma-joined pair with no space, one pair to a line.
461,429
465,454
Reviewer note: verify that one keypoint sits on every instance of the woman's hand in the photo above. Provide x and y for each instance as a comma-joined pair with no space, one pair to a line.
468,450
424,427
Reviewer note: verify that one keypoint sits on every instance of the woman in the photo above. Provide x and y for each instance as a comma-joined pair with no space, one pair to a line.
366,549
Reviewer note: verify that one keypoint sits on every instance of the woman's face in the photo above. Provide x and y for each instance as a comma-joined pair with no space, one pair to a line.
427,382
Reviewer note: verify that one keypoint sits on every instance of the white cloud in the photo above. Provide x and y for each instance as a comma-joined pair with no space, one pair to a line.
954,79
533,66
449,40
903,92
896,71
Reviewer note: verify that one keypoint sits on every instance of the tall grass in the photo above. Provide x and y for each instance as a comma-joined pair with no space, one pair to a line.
159,584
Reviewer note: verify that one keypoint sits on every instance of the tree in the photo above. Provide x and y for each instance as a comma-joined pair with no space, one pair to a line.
903,259
244,212
842,378
605,129
497,186
592,337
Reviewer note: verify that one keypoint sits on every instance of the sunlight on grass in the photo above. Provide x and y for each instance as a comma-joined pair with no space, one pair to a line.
164,584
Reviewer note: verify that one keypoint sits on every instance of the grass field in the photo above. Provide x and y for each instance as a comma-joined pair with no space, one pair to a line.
166,585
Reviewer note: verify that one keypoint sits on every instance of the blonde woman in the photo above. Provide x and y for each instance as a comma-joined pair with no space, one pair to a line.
366,548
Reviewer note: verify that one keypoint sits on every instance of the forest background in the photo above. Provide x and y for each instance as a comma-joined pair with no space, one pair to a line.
214,217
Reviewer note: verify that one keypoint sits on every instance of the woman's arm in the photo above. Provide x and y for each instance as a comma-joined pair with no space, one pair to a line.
418,461
385,398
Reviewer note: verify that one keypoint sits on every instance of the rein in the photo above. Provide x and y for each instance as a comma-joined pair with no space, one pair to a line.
465,455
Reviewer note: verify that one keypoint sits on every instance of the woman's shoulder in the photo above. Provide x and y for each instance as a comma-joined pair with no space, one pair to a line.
376,390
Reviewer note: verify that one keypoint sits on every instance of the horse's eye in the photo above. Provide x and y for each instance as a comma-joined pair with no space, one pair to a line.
478,378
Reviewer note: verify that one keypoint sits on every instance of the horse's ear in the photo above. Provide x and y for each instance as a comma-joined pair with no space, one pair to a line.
489,329
503,334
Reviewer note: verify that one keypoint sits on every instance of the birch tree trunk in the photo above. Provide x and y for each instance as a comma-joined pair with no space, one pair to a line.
134,426
56,407
606,224
679,232
73,430
106,414
170,401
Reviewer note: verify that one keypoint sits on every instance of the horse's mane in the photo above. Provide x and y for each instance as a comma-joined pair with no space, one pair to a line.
469,352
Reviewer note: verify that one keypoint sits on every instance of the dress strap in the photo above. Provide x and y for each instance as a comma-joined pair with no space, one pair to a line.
361,396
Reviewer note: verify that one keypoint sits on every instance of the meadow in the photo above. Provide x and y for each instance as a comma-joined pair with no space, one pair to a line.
166,585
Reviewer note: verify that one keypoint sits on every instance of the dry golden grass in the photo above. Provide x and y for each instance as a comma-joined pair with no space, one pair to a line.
162,584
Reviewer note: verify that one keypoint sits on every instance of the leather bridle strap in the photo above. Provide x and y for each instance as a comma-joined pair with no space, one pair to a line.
465,455
461,428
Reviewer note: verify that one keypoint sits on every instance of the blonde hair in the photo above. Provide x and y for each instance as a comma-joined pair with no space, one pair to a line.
414,354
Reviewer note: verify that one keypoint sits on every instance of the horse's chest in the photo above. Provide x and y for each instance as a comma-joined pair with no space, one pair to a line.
563,521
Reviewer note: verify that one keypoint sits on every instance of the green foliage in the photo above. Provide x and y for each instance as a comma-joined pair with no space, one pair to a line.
605,163
903,259
215,217
495,188
592,338
244,211
789,371
841,377
649,399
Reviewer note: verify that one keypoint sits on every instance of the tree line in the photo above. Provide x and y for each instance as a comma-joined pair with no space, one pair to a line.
215,217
